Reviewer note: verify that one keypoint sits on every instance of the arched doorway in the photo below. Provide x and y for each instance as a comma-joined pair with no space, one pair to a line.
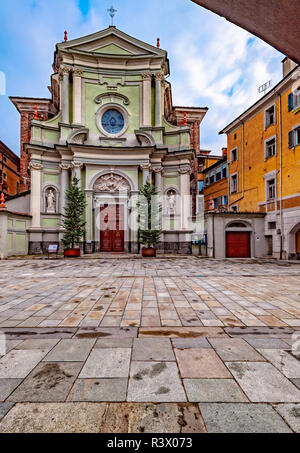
297,237
111,193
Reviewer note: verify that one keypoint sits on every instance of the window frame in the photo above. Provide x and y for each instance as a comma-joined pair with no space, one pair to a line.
237,155
267,123
274,137
234,175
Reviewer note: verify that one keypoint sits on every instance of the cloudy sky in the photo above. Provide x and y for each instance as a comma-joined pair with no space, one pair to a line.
213,63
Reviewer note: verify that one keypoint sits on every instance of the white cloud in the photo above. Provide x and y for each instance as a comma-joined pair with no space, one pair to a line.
220,66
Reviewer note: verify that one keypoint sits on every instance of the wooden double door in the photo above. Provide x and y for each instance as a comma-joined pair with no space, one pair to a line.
112,228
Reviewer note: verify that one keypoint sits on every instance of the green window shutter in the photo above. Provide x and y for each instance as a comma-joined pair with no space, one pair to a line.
291,101
291,139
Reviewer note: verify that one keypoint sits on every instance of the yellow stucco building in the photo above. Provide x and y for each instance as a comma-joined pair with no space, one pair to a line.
264,162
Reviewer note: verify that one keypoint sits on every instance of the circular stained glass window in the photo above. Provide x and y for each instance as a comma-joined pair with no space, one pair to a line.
112,121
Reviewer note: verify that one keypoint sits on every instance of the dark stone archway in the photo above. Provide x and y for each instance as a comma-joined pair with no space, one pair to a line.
274,21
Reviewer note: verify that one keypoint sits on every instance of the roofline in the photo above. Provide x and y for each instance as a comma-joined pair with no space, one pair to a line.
10,153
224,159
190,108
259,102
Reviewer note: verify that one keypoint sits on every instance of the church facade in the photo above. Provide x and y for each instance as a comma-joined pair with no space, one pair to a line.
111,123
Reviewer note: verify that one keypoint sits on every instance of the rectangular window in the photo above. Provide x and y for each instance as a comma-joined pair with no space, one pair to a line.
218,174
234,155
216,203
294,138
270,116
224,171
297,97
4,176
270,148
234,184
224,200
272,225
271,189
211,178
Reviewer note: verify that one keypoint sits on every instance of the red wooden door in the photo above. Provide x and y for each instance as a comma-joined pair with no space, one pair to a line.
298,242
112,228
238,244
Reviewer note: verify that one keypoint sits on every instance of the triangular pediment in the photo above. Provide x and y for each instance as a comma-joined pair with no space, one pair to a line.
111,41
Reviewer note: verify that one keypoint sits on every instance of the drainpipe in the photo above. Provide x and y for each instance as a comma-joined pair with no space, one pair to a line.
280,179
214,254
243,179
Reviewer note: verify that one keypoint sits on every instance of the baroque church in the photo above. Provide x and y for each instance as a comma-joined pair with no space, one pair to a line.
111,123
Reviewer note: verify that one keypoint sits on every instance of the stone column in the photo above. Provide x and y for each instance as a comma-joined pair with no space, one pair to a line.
3,234
35,194
147,120
158,178
77,167
77,73
65,72
185,195
146,172
64,184
158,114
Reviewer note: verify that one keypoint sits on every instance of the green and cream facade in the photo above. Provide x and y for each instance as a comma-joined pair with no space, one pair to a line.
111,132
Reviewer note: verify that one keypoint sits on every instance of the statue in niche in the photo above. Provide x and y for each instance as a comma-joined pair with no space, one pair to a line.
50,201
172,202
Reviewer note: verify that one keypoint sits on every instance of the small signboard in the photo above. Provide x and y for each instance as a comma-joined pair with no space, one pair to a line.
52,249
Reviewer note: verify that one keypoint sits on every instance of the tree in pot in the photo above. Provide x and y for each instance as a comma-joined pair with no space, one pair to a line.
149,209
73,219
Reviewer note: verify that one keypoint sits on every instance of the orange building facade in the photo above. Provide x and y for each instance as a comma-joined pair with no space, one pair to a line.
264,163
9,171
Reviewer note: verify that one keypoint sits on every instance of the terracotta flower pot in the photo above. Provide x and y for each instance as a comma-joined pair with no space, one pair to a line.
72,253
148,252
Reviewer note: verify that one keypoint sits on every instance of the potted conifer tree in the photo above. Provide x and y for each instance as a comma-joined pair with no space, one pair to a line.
149,219
73,219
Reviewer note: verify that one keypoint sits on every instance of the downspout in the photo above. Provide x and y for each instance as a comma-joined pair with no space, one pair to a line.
243,179
280,179
214,254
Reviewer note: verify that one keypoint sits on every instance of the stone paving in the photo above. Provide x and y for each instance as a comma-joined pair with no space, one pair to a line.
176,344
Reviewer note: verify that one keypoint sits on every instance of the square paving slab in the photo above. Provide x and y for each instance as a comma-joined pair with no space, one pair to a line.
155,381
283,361
4,408
99,390
242,418
71,350
230,349
48,382
213,391
152,349
290,413
263,383
17,364
7,386
200,363
107,363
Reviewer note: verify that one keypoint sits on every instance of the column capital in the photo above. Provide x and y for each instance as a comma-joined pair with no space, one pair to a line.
65,166
64,71
77,72
35,166
184,170
77,165
146,75
159,76
146,166
158,169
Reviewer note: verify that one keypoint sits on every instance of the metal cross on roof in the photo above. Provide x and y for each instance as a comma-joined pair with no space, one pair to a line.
112,12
